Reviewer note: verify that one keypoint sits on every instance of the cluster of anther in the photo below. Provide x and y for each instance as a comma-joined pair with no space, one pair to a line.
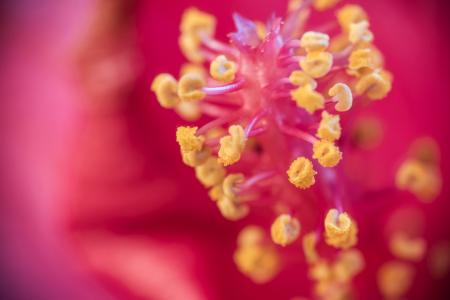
274,95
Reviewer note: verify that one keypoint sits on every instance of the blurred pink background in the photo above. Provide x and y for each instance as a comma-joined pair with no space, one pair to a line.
96,203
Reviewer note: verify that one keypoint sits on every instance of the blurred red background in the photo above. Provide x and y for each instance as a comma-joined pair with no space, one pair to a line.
96,203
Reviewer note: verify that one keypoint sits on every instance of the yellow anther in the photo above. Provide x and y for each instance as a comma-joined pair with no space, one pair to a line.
317,64
340,230
189,68
314,41
197,22
301,173
376,85
342,94
321,5
359,32
190,87
250,236
329,127
439,259
232,145
189,111
190,45
229,185
321,271
195,25
309,247
308,99
222,69
421,179
261,30
339,43
260,262
350,14
165,88
362,59
216,192
326,153
395,279
294,5
195,158
285,230
426,150
407,248
188,140
210,173
349,264
231,210
300,78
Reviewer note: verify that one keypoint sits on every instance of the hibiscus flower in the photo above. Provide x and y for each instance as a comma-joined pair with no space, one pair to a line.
99,205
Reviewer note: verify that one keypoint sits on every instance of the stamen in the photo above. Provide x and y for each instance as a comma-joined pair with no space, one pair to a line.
285,230
254,121
288,60
218,47
254,180
298,134
217,122
214,110
224,89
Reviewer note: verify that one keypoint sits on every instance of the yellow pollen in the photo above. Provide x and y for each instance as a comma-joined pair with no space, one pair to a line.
250,236
308,99
395,279
329,127
407,248
349,263
425,149
294,5
188,140
301,173
342,94
261,30
216,192
210,173
197,22
189,111
314,41
232,145
326,153
193,68
195,158
285,230
195,25
340,230
317,64
359,32
321,271
222,69
229,184
300,78
254,258
362,59
309,247
190,87
322,5
350,14
231,210
376,84
190,45
165,87
421,179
